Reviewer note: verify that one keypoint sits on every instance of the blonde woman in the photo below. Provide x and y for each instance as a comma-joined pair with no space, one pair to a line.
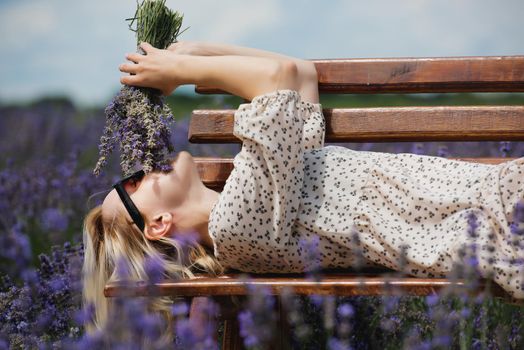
286,186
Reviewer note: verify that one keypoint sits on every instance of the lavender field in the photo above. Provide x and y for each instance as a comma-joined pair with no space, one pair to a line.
49,148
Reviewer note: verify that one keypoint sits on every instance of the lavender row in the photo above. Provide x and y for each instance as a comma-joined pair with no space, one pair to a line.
46,187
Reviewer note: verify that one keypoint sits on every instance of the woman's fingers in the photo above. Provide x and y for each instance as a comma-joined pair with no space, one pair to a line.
174,46
128,68
131,80
154,69
147,47
137,80
134,57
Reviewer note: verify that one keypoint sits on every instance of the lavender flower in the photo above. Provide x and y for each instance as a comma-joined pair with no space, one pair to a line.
257,321
517,225
54,220
356,250
432,299
345,310
291,307
336,344
312,257
443,151
137,120
505,148
417,148
316,299
472,225
39,304
154,267
179,309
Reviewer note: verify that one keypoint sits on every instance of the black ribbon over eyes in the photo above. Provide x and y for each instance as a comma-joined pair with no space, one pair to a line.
128,203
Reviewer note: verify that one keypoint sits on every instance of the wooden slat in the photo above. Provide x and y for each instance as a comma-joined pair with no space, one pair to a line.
416,74
215,171
387,124
330,284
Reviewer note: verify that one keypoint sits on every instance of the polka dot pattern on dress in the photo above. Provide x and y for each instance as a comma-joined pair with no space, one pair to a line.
287,186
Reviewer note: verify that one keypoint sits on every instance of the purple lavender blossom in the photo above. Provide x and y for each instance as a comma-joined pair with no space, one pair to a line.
517,225
472,225
196,332
316,299
248,329
257,321
85,315
311,256
186,336
179,309
345,310
432,299
417,148
442,341
54,220
138,121
505,148
337,344
154,268
356,249
443,151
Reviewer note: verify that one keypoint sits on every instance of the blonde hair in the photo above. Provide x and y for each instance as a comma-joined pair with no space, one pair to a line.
106,243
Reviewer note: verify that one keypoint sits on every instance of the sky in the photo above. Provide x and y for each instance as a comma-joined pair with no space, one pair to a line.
73,47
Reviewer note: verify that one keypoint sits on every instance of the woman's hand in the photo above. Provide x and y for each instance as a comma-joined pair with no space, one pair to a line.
156,69
185,47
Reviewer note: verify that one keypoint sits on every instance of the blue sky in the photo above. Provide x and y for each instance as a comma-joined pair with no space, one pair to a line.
74,47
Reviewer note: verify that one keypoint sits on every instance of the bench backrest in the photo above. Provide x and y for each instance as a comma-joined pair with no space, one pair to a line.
392,124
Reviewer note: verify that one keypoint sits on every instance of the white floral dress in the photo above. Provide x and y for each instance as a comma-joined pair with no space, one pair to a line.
287,186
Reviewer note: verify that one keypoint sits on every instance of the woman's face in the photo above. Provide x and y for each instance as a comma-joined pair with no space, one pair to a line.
157,192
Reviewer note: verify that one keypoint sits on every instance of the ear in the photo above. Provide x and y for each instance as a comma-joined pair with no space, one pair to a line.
159,227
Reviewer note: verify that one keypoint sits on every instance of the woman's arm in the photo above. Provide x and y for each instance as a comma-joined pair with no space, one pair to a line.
307,73
204,48
243,76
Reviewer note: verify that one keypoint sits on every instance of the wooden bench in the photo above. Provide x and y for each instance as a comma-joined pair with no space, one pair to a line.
382,124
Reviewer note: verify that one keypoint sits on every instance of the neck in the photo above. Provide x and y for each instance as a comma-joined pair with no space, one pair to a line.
208,198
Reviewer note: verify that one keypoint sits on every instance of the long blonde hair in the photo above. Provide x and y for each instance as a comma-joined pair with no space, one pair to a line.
105,243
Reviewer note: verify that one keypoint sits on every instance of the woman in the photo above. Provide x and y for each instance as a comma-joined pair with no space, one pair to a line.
286,187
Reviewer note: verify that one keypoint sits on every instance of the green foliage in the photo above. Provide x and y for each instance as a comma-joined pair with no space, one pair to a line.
156,24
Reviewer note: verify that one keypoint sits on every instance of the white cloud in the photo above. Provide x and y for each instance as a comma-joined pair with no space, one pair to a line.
79,44
23,22
76,46
429,27
227,21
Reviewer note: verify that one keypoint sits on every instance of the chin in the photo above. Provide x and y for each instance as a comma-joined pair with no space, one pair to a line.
185,167
181,156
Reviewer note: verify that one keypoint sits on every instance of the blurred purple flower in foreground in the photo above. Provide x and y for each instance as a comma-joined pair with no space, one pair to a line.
54,220
257,321
517,225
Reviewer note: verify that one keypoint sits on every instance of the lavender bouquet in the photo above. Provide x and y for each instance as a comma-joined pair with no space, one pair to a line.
137,118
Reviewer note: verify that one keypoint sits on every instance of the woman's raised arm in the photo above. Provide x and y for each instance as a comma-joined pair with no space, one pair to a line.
242,76
307,73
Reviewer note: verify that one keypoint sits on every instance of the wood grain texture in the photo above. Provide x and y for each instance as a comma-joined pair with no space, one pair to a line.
215,171
416,74
387,124
330,284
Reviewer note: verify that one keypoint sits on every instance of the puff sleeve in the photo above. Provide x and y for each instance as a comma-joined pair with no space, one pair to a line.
258,207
